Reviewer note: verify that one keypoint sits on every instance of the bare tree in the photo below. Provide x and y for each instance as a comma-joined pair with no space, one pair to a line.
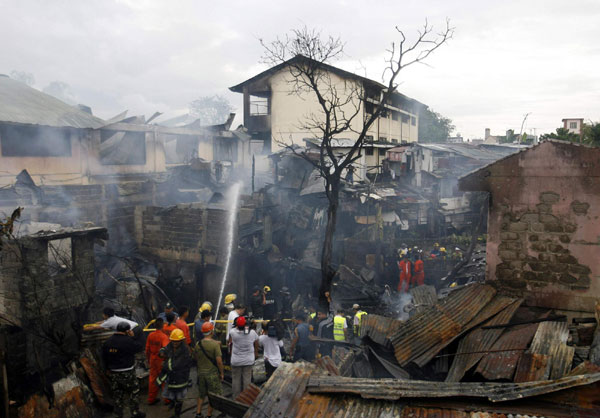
307,55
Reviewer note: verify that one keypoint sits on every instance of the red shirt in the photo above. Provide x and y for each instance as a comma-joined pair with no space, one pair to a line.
182,325
155,341
167,328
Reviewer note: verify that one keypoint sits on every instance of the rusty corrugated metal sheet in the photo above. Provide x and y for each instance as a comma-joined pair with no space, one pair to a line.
394,389
497,304
421,412
327,364
531,367
551,339
504,355
310,406
423,297
379,328
248,395
480,340
439,324
281,392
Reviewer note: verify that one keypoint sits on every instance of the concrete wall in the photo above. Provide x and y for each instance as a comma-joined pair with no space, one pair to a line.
544,233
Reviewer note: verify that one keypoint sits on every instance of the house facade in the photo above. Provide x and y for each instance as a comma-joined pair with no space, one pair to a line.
543,230
275,114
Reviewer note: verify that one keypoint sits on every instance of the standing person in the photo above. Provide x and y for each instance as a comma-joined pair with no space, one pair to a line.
286,303
340,326
301,348
221,333
419,272
405,274
169,325
205,316
272,349
168,309
181,323
230,301
324,329
176,370
357,321
270,308
238,311
244,350
118,353
156,340
210,367
257,303
206,306
312,312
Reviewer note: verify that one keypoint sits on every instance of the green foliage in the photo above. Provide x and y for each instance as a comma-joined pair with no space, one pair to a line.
591,134
434,127
563,134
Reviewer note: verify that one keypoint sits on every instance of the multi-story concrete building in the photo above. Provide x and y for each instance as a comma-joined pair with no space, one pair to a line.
274,112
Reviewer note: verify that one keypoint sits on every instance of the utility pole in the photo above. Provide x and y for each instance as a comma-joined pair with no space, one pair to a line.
523,124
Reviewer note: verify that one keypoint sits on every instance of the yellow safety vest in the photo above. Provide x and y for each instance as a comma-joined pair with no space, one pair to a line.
312,315
338,328
359,315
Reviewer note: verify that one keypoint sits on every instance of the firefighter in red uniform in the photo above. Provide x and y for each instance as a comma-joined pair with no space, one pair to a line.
155,341
418,278
404,266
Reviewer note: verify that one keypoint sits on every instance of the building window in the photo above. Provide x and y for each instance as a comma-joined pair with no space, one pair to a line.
395,140
368,137
413,121
369,151
122,148
573,125
383,138
381,151
259,106
405,118
394,115
34,141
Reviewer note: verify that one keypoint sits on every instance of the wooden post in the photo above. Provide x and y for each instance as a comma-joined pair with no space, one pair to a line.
253,172
5,401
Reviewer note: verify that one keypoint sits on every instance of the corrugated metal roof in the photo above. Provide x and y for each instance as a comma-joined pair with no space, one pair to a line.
550,339
480,340
285,387
248,395
465,150
423,296
501,362
20,103
379,328
497,304
439,324
394,389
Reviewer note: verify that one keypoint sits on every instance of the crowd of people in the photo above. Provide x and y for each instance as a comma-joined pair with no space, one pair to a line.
232,339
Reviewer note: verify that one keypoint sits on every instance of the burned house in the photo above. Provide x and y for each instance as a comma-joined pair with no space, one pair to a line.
542,225
47,285
271,113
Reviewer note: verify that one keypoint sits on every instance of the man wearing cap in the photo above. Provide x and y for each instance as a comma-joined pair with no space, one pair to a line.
156,340
270,308
168,308
357,321
176,370
118,353
210,367
244,350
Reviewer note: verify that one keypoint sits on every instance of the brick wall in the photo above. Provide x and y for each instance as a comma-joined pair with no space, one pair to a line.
183,233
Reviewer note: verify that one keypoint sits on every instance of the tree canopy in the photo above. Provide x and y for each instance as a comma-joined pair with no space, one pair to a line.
211,110
590,134
434,127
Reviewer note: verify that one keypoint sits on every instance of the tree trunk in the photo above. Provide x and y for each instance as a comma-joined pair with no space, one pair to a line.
327,271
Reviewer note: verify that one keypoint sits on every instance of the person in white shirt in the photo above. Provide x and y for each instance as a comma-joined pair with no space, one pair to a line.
272,350
111,321
244,350
238,311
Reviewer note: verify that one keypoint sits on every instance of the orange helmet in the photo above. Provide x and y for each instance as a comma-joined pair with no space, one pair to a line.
177,335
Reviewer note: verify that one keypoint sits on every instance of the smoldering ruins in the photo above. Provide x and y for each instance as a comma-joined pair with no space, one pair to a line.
134,213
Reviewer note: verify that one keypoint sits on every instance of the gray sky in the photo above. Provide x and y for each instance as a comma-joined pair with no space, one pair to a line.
507,58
